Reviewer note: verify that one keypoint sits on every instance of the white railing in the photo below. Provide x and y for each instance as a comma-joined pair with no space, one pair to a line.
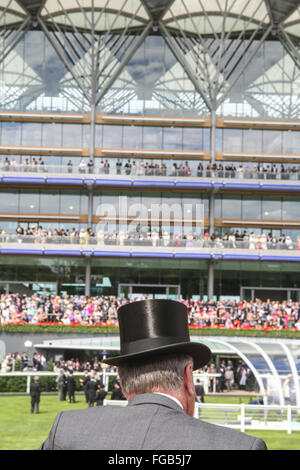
243,417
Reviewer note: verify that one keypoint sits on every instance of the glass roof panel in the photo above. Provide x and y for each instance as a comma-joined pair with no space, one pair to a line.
11,6
108,21
255,10
294,17
10,13
211,24
127,7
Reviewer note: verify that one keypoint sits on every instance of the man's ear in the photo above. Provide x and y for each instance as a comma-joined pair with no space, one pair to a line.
188,379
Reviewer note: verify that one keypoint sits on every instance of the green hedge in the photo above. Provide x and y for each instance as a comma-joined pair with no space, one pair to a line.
99,330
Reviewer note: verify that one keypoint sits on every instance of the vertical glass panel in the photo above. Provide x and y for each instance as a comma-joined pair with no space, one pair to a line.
291,141
251,207
152,137
172,138
192,138
272,141
232,140
11,133
132,137
83,203
52,134
72,135
290,209
69,203
218,207
271,208
219,140
31,133
232,207
29,202
112,136
9,201
252,140
49,202
206,139
86,136
98,135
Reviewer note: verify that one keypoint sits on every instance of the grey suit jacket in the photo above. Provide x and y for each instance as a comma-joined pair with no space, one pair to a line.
149,422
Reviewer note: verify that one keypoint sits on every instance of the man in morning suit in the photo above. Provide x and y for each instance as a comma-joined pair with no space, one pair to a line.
155,368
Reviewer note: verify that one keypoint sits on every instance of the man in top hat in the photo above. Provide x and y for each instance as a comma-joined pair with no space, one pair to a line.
155,369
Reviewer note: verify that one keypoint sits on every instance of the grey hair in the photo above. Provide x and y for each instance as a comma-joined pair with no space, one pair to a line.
162,373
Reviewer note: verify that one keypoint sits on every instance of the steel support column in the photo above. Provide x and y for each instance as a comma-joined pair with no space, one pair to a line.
88,270
211,280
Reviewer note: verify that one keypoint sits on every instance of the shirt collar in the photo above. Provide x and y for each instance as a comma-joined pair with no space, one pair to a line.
172,398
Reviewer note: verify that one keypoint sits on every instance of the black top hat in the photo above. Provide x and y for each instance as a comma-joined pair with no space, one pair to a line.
152,328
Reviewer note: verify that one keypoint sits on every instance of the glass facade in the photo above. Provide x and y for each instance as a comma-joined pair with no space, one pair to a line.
199,92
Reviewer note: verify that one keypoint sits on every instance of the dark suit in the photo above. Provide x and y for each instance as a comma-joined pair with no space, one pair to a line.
150,421
35,394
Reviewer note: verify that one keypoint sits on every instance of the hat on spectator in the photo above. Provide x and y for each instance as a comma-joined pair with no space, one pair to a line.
153,328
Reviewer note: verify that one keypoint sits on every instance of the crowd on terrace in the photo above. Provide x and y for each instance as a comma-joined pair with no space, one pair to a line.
142,167
156,238
102,310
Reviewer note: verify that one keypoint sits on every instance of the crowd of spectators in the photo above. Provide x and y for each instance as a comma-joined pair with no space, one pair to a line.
153,168
155,238
223,378
102,310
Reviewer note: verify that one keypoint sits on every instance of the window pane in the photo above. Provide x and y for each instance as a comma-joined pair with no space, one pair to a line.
232,207
29,202
9,201
172,138
251,207
112,136
271,208
290,209
11,133
132,137
49,202
31,133
52,134
252,140
69,203
152,137
72,135
192,139
232,140
272,141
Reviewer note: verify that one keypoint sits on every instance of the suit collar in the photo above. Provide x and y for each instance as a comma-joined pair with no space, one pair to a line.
155,399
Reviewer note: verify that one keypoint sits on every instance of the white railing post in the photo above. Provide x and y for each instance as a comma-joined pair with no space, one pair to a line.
28,383
242,417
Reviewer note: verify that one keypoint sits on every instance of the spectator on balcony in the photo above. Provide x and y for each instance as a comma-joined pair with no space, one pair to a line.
127,167
119,167
82,166
70,166
90,166
142,168
106,167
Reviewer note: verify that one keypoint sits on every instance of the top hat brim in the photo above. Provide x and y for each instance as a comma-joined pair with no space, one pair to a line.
200,353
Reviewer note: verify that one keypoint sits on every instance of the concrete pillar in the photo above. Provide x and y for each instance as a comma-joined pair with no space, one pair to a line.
210,281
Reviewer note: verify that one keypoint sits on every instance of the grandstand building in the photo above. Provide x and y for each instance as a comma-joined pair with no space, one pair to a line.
150,147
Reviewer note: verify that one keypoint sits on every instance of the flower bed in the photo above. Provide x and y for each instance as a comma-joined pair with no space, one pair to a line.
99,328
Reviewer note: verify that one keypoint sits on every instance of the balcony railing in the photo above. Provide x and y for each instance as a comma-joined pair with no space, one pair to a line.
154,241
159,170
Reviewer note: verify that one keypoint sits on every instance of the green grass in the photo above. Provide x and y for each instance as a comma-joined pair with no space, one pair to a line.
19,430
